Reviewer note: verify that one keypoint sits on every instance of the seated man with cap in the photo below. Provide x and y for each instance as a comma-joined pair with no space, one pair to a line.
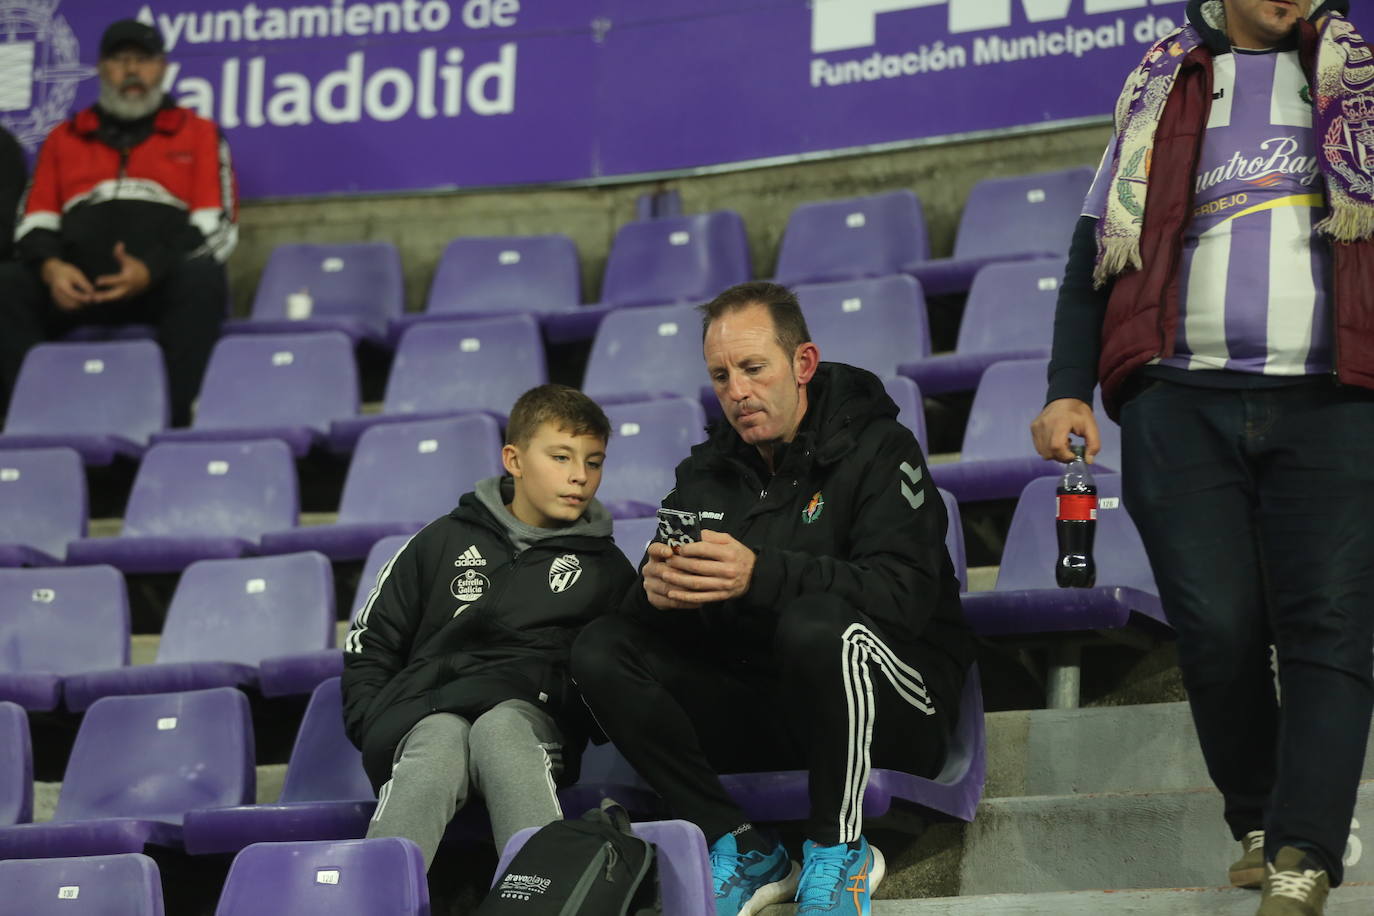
128,219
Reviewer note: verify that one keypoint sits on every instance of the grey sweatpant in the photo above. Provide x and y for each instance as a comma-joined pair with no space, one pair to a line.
510,756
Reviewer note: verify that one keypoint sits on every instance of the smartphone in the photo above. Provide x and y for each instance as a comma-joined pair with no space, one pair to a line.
676,528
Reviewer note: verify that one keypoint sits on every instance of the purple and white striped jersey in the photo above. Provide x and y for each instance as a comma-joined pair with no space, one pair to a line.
1254,279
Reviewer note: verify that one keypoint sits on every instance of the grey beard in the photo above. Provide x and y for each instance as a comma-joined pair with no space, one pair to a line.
130,109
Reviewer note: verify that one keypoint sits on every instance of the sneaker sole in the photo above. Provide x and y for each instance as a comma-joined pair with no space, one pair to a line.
777,892
1250,878
878,871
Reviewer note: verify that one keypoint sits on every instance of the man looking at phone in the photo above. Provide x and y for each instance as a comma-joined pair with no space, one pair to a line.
815,625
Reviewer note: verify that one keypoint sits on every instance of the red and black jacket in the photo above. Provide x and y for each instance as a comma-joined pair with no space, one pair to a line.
162,185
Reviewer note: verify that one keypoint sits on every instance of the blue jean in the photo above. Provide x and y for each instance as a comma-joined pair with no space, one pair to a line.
1256,508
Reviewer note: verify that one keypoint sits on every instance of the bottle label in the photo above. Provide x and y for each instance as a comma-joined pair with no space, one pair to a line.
1077,507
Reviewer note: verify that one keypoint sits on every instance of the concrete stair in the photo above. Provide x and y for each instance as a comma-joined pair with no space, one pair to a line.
1347,900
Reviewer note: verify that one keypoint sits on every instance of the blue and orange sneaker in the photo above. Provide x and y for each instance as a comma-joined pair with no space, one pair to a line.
839,879
745,884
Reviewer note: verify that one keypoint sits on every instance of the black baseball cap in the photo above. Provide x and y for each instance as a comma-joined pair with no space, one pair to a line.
131,32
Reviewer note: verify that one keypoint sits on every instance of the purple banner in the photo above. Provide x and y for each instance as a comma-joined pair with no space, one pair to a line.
390,95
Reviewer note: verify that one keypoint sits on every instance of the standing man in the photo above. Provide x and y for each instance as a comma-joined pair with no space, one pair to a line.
129,218
816,625
1219,287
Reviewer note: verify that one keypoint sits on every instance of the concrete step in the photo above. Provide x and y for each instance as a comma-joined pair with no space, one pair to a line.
1346,900
1041,844
1144,748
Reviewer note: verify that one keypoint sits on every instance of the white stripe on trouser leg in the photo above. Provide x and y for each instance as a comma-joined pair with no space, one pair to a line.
548,774
382,795
859,646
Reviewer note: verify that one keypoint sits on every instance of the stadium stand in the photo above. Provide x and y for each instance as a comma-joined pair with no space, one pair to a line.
83,886
327,878
43,505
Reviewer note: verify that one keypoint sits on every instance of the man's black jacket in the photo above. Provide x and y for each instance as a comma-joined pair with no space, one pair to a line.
459,622
851,512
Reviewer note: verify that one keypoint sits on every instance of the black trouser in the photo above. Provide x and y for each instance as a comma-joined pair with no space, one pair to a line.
830,697
1256,508
187,307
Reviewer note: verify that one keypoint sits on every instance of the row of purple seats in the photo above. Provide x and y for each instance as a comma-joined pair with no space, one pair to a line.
344,878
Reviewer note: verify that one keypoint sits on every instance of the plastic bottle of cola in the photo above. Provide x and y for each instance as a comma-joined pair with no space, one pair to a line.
1075,524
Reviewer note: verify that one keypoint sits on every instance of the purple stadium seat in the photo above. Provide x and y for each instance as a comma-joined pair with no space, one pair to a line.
855,237
91,333
648,439
954,539
1009,315
327,878
55,622
911,409
684,867
118,885
42,505
198,501
998,458
356,288
225,617
102,399
16,767
1026,598
402,476
500,275
658,261
139,763
1008,219
954,793
301,673
326,795
632,536
453,367
875,324
274,386
645,353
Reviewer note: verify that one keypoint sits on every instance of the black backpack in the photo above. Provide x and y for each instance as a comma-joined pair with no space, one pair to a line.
590,866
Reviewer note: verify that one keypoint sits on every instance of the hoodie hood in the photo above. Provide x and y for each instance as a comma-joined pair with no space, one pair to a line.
494,493
1209,18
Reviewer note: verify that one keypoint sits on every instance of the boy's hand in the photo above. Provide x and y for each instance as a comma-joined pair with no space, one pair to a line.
655,587
716,568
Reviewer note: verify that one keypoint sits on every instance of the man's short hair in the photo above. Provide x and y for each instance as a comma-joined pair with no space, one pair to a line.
789,325
567,408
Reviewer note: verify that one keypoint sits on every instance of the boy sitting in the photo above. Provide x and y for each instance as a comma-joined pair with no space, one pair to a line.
456,669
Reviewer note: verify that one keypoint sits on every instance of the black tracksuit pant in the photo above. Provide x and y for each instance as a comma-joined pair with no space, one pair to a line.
187,307
1256,507
684,704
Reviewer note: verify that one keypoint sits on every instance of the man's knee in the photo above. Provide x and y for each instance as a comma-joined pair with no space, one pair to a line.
513,720
22,288
811,628
197,282
600,652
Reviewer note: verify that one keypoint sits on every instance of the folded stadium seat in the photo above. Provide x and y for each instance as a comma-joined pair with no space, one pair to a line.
327,878
648,439
890,794
1009,315
57,622
402,476
1008,219
875,324
42,505
325,796
353,287
954,539
644,353
454,367
16,766
911,409
102,399
138,764
659,261
198,501
855,237
302,672
632,536
500,275
274,386
128,884
683,863
998,457
1026,600
224,618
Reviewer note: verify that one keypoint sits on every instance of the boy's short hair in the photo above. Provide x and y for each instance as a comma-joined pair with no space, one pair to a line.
567,408
789,325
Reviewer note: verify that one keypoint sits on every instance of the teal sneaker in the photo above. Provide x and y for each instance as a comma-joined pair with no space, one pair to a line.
839,879
745,884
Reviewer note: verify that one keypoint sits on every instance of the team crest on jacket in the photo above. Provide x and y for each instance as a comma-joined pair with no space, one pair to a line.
813,509
564,573
470,586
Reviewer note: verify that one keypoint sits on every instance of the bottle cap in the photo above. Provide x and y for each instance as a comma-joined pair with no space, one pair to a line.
1077,449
